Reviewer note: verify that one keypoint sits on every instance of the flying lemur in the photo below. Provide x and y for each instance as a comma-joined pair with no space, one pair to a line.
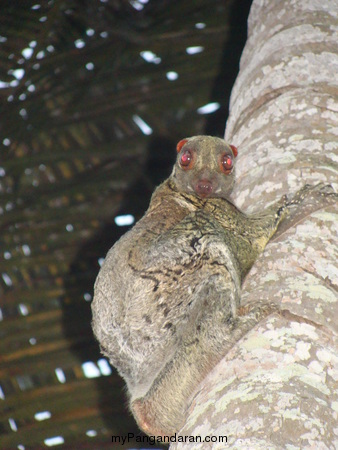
166,305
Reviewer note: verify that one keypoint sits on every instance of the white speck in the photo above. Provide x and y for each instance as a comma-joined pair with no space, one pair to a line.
125,220
7,279
23,113
100,261
87,296
136,5
9,206
14,83
69,227
32,341
79,43
90,32
104,34
143,126
43,19
3,39
4,85
6,142
26,250
104,367
31,88
23,309
12,424
194,50
21,447
200,25
2,394
172,76
27,53
42,415
90,66
209,108
22,96
7,255
91,433
32,44
41,54
60,375
18,73
90,370
36,6
55,440
50,48
150,57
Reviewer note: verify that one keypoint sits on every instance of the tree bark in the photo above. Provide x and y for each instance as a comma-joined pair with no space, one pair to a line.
277,388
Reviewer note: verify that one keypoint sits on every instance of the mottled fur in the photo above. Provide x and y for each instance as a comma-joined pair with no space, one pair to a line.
167,299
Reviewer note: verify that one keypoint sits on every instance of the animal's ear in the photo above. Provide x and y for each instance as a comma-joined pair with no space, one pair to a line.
234,150
180,145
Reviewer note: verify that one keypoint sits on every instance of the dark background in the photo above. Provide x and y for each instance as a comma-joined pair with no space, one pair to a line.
72,158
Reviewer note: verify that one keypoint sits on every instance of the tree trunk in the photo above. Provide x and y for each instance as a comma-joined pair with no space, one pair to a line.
278,385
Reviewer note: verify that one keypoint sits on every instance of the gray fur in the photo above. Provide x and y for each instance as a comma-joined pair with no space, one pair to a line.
166,307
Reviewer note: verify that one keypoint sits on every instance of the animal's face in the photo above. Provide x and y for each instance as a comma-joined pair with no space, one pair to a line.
204,166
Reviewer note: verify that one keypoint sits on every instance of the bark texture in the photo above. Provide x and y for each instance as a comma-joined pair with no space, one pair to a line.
278,387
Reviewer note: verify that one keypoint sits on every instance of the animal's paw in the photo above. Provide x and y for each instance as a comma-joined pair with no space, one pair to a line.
306,201
314,193
258,310
283,204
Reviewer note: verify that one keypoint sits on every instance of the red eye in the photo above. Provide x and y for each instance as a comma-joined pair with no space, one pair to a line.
186,159
226,163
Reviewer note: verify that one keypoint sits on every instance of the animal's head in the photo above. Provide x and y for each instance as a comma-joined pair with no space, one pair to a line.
205,166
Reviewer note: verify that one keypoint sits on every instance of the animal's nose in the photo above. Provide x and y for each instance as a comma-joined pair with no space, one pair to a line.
204,188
